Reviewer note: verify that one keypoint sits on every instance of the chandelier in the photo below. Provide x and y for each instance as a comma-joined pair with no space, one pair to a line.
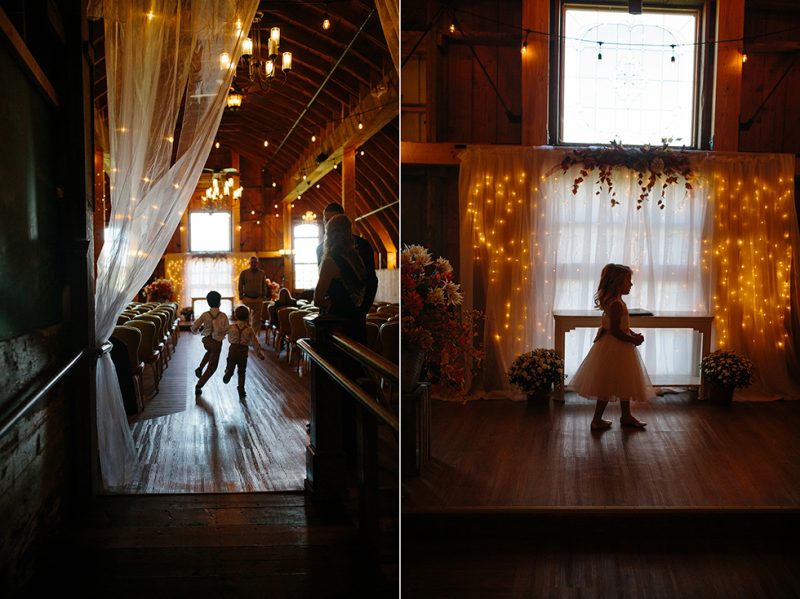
223,189
261,66
309,216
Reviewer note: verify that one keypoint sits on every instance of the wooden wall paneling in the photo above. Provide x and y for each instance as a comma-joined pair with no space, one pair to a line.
273,231
790,131
509,84
728,86
535,73
487,108
434,75
457,99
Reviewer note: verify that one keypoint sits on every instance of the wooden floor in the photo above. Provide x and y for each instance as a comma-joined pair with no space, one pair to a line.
221,546
501,454
215,443
522,502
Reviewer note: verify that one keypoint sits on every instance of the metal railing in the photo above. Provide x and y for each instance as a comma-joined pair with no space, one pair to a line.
39,388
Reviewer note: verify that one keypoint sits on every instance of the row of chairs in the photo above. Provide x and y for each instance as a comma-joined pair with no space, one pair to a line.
146,335
285,326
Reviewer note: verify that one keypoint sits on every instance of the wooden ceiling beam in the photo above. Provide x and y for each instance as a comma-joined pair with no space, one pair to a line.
375,110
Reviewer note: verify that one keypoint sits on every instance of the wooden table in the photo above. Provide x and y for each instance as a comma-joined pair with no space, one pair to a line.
567,320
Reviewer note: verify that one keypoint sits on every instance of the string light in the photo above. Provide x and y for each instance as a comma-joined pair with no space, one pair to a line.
599,50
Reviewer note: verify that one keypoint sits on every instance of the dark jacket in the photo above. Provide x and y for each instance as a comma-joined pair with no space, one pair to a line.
364,250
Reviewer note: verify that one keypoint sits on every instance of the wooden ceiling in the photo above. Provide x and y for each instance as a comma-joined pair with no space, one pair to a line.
340,77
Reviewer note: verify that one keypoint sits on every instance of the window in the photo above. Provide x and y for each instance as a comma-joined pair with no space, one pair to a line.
628,78
209,231
306,270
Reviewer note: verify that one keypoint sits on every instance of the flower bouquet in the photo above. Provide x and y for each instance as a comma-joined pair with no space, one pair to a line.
433,320
726,368
272,289
537,370
159,290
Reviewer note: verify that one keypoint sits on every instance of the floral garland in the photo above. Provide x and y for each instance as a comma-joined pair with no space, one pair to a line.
160,289
650,164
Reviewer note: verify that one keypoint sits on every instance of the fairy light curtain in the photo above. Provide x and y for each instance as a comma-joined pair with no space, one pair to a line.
162,63
529,247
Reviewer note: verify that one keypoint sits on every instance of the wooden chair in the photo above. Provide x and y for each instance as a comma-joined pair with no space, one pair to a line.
131,339
156,360
390,341
163,334
148,350
123,318
297,330
373,333
284,328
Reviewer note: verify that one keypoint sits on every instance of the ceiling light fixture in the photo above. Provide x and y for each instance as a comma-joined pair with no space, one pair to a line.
260,62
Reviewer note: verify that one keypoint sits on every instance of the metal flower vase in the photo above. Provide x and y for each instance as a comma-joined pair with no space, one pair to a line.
411,362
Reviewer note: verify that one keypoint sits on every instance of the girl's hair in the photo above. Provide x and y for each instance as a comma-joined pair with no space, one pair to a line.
611,278
339,242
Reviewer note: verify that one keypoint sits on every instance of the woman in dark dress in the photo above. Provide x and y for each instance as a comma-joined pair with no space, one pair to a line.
341,288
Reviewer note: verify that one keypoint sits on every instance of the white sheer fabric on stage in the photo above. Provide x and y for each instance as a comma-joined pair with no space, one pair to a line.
530,247
162,64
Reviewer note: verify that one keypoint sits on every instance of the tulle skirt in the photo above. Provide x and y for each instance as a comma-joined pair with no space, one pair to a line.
612,370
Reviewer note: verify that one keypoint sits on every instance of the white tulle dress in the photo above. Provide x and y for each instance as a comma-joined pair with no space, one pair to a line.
613,369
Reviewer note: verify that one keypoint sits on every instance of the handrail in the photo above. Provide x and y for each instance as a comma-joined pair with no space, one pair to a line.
357,392
23,407
366,356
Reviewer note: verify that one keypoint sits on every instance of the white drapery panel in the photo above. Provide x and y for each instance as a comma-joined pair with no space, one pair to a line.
206,273
529,247
158,55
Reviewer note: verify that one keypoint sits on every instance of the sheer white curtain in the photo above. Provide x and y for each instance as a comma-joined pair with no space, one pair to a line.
161,57
204,273
529,247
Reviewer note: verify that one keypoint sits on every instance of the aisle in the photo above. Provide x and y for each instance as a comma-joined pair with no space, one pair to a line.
215,443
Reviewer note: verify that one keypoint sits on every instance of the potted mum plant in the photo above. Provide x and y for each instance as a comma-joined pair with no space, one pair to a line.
437,333
535,372
723,371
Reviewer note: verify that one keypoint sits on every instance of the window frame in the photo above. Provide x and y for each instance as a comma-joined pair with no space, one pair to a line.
701,114
230,231
295,223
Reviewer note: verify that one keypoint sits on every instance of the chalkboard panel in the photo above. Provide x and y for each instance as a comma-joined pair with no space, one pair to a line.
30,289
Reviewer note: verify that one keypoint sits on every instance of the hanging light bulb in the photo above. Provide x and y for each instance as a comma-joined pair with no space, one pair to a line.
266,143
247,47
313,138
360,124
599,50
326,22
224,61
286,63
269,69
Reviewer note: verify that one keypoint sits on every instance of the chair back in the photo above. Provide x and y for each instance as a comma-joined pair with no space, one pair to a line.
284,324
149,348
131,337
390,341
123,318
297,326
158,320
373,333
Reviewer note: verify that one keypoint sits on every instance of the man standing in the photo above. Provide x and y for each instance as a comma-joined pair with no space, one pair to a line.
364,250
253,291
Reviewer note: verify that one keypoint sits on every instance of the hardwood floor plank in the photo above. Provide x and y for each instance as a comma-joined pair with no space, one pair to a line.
693,454
217,443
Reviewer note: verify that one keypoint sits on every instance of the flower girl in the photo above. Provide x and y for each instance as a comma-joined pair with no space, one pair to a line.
613,369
